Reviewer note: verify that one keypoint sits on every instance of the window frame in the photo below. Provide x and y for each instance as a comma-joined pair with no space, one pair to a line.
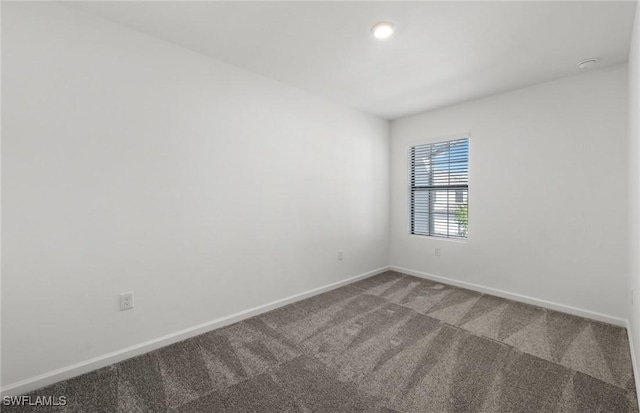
441,139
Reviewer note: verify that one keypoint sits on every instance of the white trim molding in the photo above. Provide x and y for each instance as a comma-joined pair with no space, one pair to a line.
634,363
64,373
621,322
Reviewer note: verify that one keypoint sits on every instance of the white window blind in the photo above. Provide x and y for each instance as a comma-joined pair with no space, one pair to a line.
439,188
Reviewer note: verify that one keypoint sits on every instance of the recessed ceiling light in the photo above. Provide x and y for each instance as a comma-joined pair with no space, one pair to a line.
383,30
587,63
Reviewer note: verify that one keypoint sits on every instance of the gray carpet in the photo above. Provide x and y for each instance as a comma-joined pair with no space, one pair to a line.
390,343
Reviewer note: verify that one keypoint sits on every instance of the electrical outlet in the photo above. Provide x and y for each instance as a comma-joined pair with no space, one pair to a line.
437,252
126,301
339,255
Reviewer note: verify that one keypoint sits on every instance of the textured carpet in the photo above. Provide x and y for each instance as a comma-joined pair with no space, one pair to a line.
389,343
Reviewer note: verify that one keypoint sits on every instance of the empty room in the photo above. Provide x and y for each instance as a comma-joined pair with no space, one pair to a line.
330,206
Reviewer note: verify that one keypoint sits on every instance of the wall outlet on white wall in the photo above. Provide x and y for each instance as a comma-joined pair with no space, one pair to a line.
437,252
126,301
339,255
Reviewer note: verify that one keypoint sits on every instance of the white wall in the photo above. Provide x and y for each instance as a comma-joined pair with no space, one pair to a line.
134,164
547,197
634,187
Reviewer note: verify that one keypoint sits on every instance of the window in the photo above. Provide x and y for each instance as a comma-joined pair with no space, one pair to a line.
439,188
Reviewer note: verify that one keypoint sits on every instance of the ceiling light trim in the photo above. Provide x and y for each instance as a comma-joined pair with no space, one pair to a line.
383,30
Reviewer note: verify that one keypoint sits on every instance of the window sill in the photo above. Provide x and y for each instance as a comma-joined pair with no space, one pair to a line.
436,238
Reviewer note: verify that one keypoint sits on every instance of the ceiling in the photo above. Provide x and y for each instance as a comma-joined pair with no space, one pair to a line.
442,53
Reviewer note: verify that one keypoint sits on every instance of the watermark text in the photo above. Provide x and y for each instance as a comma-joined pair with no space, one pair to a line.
34,400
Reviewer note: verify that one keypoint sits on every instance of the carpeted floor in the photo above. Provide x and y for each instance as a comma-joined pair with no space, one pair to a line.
390,343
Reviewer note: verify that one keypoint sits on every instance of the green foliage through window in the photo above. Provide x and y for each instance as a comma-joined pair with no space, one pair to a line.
462,216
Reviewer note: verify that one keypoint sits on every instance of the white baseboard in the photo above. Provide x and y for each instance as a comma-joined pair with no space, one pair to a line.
95,363
621,322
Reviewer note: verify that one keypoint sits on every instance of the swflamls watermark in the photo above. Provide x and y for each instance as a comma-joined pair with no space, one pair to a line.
34,400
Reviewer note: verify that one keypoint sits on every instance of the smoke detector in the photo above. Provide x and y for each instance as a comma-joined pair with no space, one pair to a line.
587,63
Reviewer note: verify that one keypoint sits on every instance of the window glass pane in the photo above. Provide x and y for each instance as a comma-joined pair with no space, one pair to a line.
439,174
